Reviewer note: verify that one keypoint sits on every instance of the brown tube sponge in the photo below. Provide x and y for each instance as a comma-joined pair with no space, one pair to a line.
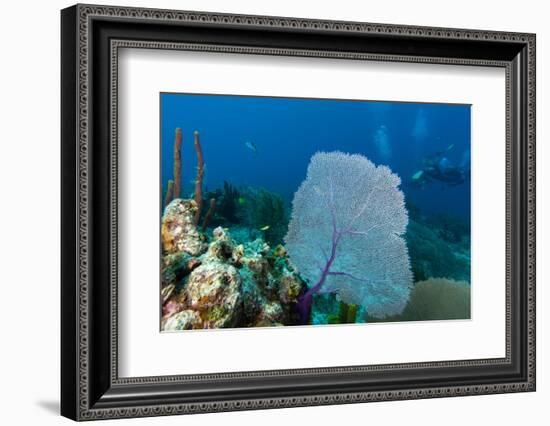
209,214
169,193
177,163
198,180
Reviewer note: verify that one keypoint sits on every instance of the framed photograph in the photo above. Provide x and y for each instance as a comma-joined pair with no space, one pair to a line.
263,212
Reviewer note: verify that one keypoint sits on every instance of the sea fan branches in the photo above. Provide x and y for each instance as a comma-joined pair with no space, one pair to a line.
345,234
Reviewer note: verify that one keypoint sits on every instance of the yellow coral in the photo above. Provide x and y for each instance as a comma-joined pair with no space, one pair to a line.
279,251
167,237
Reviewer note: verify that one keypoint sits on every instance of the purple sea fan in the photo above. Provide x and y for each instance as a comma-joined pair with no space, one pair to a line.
345,234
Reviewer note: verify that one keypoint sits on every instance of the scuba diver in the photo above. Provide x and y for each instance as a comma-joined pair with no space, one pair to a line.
438,168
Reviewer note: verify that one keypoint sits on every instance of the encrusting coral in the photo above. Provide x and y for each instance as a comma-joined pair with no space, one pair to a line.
214,292
178,230
226,284
182,320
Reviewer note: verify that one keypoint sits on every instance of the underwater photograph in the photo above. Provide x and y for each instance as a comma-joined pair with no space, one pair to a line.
279,211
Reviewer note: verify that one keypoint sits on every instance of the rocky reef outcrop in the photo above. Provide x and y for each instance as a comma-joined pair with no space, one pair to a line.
224,264
214,282
179,231
434,255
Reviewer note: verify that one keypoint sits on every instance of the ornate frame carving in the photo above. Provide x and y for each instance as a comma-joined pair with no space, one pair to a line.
85,396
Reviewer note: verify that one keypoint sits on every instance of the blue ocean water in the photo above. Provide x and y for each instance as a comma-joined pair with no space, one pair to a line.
267,142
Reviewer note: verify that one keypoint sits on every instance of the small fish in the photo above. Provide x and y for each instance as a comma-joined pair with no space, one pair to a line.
451,146
226,229
265,228
418,175
251,146
241,201
279,251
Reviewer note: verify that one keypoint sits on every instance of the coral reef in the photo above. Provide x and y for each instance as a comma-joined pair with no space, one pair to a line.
439,244
178,230
214,292
228,202
433,299
438,299
345,234
325,307
225,284
432,256
347,314
449,228
183,320
254,208
269,213
175,266
346,254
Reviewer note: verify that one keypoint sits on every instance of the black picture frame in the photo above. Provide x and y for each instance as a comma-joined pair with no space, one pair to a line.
90,386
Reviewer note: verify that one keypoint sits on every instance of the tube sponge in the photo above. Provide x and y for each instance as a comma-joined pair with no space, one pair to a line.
169,193
177,163
209,214
198,180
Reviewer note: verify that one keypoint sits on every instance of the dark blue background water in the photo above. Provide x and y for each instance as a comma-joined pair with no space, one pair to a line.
288,131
